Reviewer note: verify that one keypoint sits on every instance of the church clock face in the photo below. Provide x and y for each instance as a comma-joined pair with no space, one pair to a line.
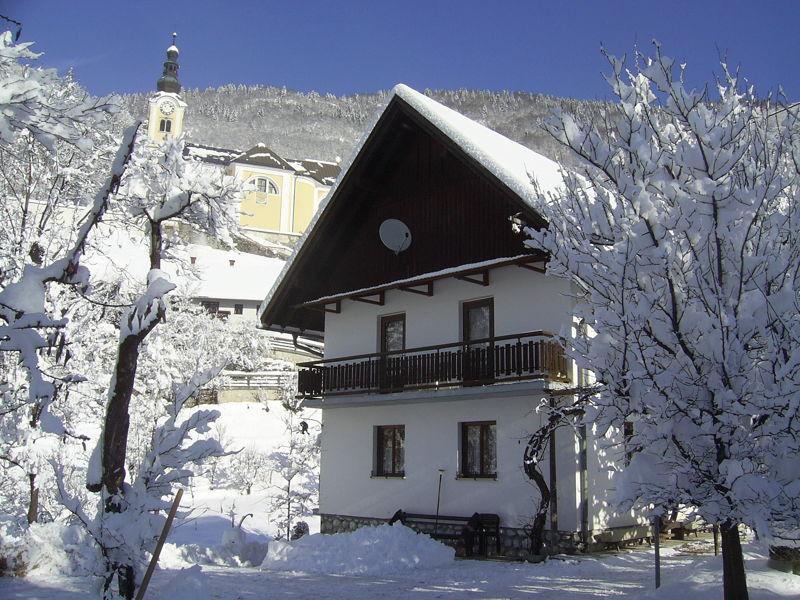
167,107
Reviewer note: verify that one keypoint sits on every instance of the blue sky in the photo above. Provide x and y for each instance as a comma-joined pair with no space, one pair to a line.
343,47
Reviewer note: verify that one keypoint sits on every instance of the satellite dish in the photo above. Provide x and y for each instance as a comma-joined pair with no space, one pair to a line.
395,235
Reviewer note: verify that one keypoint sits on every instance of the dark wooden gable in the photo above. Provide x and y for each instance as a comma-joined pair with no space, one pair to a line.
457,212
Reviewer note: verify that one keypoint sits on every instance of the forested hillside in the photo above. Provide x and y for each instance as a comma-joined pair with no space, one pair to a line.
310,125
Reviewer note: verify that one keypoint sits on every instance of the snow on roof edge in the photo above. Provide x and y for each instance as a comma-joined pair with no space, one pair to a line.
474,139
484,145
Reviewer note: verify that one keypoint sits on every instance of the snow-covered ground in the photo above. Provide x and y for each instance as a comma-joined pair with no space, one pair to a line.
205,559
243,426
621,575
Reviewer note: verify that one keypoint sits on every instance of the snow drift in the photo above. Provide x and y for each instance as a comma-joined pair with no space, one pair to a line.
382,550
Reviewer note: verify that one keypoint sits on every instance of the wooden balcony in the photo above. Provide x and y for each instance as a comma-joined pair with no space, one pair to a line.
524,356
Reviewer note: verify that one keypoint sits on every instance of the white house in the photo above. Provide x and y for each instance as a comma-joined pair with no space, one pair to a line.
437,324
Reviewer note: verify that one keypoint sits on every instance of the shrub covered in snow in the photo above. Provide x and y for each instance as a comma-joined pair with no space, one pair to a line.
381,550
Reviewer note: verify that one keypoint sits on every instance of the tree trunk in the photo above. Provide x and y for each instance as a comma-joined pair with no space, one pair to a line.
33,504
734,579
537,530
156,244
117,422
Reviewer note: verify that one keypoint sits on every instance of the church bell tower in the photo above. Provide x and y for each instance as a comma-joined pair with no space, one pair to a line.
165,116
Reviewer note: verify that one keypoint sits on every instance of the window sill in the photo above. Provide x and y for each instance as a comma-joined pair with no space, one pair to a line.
378,476
477,477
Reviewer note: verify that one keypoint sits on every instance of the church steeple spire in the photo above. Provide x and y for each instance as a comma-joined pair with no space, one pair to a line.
166,105
168,82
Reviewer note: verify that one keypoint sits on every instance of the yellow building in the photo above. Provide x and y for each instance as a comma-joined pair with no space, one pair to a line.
284,193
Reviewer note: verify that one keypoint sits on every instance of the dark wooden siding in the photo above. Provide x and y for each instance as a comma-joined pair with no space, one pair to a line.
457,214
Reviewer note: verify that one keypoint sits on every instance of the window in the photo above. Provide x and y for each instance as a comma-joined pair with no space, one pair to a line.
211,306
391,374
238,309
266,186
477,323
477,319
390,458
165,126
393,333
627,435
479,449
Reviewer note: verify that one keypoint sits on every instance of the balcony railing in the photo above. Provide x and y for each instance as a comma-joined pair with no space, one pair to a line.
532,355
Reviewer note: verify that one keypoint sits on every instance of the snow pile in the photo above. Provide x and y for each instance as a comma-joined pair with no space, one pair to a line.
187,584
235,550
382,550
47,549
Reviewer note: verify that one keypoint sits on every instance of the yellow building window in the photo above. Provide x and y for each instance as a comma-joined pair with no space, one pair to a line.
165,126
264,187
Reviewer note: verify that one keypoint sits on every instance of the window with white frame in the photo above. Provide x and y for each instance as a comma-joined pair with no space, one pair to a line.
265,188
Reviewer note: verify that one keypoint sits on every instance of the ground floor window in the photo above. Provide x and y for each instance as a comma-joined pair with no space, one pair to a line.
479,449
211,306
390,446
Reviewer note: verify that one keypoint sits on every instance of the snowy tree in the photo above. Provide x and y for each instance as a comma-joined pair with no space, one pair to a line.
681,236
296,462
52,138
248,466
159,186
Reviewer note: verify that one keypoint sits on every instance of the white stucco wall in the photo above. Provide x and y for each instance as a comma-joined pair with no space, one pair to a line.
432,442
249,308
604,455
524,300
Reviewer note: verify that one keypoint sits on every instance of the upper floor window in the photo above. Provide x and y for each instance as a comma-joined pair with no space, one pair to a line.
627,436
478,324
266,186
390,446
165,126
393,333
479,449
477,319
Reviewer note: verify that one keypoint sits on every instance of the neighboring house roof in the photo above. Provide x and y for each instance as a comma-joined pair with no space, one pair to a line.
260,155
523,172
210,154
322,171
248,278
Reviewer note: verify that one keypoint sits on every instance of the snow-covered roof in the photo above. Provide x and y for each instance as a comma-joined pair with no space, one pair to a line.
523,171
512,163
323,171
248,278
210,154
211,276
262,156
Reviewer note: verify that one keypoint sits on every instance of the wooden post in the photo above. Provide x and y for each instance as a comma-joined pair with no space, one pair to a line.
164,533
657,531
716,539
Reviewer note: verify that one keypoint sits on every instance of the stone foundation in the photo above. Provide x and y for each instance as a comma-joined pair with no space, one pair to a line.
514,542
